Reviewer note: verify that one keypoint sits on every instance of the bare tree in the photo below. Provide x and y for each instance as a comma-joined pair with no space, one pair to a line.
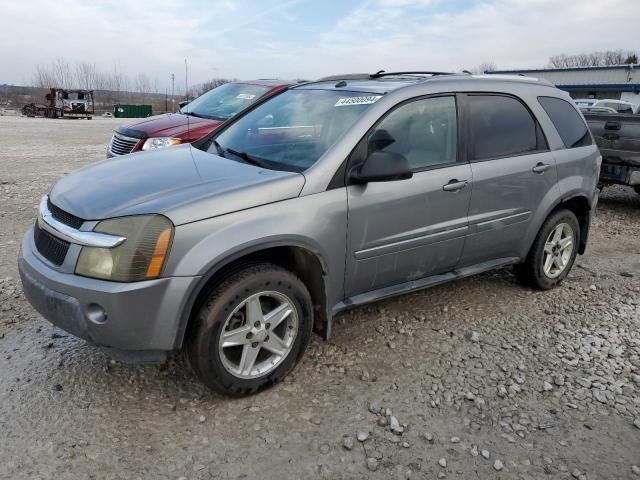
487,66
86,75
593,59
143,84
119,82
199,89
62,73
44,77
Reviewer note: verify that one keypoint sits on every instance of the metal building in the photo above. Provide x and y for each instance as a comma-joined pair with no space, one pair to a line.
620,82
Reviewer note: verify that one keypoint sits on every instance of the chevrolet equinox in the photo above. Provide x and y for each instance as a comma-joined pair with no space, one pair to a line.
326,196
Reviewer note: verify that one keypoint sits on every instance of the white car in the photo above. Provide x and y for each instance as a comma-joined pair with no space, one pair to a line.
619,106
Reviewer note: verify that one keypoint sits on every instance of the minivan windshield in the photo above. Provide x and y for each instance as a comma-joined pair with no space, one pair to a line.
292,130
225,101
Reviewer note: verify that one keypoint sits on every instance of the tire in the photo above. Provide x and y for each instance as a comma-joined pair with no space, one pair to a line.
229,370
637,189
532,271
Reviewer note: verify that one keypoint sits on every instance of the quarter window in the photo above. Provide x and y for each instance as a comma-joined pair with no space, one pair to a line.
500,126
570,126
424,131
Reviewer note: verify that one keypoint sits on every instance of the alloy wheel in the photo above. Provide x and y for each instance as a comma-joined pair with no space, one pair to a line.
558,249
258,335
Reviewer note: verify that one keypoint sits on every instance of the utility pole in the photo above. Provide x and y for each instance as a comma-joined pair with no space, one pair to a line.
173,99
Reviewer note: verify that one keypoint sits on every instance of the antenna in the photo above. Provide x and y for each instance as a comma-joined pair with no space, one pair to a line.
173,98
186,91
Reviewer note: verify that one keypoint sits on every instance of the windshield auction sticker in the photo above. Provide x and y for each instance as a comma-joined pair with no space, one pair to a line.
246,96
346,101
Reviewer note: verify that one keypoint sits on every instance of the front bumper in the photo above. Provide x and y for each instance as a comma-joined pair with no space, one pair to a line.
138,316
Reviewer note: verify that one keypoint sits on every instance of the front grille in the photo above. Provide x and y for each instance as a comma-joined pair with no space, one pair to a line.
64,217
50,247
121,145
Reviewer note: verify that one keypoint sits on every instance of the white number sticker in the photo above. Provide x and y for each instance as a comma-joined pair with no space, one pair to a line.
345,101
246,96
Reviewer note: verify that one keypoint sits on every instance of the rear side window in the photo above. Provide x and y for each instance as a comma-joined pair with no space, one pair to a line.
570,126
500,126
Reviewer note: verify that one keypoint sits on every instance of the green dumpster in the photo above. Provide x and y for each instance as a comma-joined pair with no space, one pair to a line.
132,111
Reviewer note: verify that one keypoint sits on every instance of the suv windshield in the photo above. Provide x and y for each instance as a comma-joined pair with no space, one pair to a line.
225,101
294,129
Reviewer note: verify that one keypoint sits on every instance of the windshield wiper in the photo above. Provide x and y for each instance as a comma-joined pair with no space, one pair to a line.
202,115
247,158
193,114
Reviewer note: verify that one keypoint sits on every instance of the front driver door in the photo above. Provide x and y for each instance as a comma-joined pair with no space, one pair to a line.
403,230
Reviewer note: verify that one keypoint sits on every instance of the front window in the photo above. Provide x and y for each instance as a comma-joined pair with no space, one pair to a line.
423,131
294,129
225,101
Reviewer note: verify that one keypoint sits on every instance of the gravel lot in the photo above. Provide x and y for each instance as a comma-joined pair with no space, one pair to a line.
480,378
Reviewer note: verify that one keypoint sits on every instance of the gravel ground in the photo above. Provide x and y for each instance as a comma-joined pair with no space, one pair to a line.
480,378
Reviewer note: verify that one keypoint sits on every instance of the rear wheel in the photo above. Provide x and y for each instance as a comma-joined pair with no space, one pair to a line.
251,331
553,252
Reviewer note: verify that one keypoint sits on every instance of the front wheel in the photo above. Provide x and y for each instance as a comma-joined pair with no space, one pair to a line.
251,330
553,252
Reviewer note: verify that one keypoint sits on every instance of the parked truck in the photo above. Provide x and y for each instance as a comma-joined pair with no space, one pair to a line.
62,103
618,137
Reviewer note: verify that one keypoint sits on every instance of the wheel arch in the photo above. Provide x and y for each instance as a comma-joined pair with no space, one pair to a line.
581,207
301,259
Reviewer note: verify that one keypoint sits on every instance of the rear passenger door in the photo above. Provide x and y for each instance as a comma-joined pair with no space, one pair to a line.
513,171
578,162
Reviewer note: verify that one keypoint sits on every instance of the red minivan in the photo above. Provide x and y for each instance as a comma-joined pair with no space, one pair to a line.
200,117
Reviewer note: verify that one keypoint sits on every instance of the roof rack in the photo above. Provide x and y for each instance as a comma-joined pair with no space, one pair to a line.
346,76
382,73
378,74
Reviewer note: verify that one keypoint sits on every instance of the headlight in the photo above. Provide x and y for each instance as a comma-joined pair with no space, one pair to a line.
140,257
160,142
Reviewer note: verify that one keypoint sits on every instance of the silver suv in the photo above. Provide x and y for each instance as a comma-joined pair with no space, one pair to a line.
329,195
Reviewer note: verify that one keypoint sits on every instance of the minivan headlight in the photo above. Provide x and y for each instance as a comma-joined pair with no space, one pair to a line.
140,257
160,142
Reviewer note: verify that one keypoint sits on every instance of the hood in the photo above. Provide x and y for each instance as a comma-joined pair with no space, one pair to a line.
175,125
183,183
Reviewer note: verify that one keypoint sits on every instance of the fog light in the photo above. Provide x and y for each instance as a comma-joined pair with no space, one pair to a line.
96,314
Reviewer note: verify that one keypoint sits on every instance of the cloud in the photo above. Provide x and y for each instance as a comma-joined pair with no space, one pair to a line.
305,38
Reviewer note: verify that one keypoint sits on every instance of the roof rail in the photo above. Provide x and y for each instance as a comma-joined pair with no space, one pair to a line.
379,74
382,73
346,76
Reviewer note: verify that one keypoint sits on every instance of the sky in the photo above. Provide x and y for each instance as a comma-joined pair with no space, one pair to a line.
293,39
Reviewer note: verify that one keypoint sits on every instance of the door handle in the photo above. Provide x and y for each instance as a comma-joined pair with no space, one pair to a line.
541,167
612,126
454,185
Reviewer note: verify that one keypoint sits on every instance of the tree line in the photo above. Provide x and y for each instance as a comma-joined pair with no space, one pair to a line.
86,76
594,59
115,84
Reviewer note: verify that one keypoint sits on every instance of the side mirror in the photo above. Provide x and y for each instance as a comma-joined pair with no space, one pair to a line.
382,166
183,104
